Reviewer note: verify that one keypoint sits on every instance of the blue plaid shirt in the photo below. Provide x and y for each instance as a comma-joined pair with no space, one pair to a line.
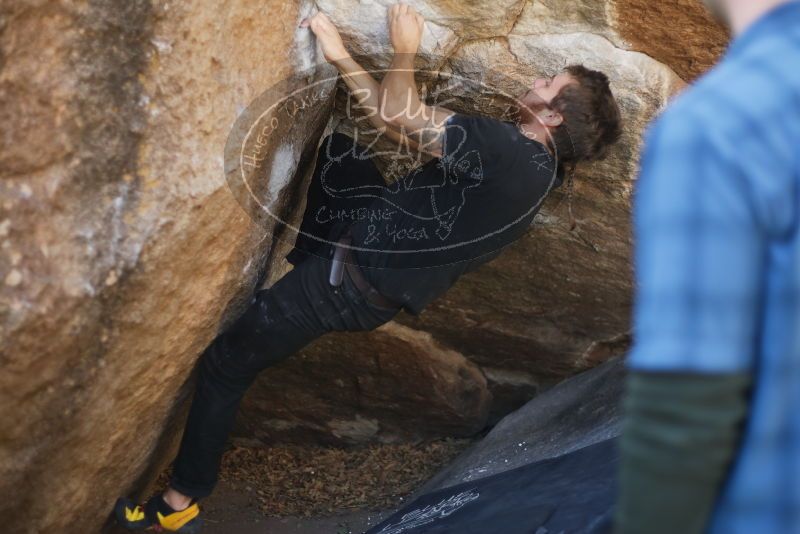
717,224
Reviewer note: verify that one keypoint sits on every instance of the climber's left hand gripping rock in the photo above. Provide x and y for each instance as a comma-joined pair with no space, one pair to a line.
405,28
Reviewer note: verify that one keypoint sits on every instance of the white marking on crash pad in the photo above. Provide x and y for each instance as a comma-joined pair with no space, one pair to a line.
429,514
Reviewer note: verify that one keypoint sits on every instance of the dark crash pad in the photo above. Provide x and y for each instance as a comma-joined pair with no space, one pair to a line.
566,494
546,468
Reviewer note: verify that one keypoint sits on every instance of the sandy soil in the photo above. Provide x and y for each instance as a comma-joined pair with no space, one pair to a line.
234,509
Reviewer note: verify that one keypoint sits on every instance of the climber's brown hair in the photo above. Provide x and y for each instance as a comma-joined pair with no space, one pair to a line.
591,117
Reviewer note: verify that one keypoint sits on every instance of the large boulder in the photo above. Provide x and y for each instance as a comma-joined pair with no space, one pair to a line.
125,247
557,301
122,248
393,384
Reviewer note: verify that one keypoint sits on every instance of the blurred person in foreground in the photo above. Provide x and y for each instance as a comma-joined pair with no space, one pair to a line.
711,439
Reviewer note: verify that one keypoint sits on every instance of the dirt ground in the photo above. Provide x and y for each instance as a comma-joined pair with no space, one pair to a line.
234,509
296,489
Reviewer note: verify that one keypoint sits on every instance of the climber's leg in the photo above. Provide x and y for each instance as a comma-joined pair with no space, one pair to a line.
281,320
264,335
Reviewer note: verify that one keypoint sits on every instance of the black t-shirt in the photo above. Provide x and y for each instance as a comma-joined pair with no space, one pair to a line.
454,213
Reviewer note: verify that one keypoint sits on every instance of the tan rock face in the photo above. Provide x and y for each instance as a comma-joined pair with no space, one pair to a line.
124,247
393,384
558,301
691,42
551,294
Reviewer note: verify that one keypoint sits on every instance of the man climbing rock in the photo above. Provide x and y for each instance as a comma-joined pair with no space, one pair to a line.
398,246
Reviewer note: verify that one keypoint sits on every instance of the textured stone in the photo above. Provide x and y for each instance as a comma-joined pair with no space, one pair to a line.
680,33
544,17
123,250
364,26
559,300
541,304
128,249
389,385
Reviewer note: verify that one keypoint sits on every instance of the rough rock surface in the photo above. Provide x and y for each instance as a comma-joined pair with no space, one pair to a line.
690,43
393,384
123,250
558,301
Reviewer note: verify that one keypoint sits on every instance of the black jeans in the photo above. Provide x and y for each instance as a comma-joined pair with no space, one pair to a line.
280,320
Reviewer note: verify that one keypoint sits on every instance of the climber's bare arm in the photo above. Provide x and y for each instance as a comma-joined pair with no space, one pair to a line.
400,105
362,85
365,89
402,109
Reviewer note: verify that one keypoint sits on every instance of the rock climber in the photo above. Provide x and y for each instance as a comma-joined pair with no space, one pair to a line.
395,247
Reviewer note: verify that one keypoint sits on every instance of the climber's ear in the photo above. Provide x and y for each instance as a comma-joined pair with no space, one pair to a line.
550,118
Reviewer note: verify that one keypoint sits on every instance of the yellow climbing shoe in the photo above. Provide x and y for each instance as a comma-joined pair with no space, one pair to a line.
157,516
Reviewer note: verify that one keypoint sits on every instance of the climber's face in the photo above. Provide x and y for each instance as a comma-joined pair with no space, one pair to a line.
548,88
543,90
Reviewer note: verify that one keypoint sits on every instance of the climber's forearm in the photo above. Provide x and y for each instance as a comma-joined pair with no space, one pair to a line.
365,90
363,87
398,92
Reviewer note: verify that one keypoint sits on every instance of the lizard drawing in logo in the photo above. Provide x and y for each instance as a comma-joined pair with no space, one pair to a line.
349,173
